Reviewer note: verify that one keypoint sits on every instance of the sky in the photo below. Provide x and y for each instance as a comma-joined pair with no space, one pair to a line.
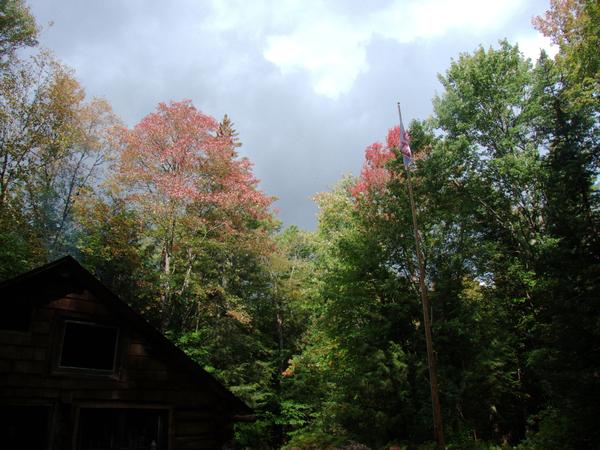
308,83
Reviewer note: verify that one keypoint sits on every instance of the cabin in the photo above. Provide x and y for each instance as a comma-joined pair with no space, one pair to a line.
81,370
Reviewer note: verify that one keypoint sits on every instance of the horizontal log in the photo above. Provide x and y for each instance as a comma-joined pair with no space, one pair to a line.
21,353
73,304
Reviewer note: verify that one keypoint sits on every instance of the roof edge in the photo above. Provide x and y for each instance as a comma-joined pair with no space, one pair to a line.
238,407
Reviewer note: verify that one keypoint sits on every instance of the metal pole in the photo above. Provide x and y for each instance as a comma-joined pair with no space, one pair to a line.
438,427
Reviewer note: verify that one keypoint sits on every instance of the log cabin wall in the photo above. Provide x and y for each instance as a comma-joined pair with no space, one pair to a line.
144,388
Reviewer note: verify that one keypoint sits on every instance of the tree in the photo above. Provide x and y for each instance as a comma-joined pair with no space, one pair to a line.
53,144
227,131
187,180
17,28
109,239
484,180
569,101
574,25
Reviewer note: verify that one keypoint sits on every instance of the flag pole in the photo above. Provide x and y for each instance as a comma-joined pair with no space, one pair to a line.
438,427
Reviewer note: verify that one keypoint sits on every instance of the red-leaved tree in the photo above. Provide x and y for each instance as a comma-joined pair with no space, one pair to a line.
375,174
181,171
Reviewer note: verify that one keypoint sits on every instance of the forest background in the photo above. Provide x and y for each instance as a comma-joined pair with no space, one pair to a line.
320,332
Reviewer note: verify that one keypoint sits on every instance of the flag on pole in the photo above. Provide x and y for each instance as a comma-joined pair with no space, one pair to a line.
433,383
404,144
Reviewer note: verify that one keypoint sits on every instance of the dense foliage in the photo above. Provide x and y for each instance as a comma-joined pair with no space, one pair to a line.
321,332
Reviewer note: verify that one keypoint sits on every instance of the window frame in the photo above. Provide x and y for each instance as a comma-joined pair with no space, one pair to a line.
88,370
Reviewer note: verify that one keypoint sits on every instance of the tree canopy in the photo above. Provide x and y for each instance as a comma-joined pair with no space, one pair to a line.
321,332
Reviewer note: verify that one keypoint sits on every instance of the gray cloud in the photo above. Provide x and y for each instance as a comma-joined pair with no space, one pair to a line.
138,53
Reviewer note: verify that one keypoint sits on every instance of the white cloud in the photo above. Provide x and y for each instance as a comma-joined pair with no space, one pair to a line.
332,53
331,48
531,45
407,21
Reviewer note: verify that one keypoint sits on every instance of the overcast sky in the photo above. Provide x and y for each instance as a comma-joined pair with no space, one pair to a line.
308,84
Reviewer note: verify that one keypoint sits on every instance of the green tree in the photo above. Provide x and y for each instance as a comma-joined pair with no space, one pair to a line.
17,28
574,25
498,225
567,358
53,145
111,241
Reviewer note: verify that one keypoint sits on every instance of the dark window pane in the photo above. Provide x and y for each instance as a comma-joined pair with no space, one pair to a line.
89,346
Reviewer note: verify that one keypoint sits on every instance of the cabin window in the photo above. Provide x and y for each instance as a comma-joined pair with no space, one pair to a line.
16,316
122,429
89,346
